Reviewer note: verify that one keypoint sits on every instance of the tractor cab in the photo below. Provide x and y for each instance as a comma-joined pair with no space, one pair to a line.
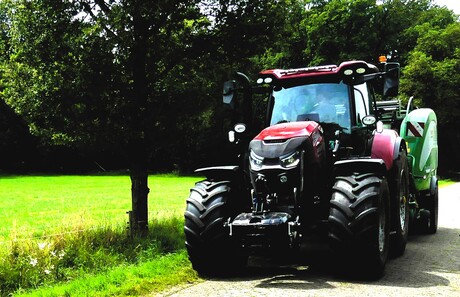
315,116
339,98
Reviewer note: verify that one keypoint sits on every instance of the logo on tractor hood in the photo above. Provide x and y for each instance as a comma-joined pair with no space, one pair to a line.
287,130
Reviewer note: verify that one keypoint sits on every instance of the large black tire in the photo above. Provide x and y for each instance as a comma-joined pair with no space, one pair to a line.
400,206
359,223
210,247
427,223
433,207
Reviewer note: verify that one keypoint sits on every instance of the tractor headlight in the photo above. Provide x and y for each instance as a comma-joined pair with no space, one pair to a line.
291,160
255,161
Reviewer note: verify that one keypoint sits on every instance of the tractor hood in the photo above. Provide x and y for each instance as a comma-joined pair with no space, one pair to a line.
282,139
287,130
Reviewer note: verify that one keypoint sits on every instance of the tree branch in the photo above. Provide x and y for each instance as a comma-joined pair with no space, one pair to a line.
104,8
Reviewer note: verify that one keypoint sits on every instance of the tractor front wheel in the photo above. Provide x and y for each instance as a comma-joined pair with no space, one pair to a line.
209,245
359,222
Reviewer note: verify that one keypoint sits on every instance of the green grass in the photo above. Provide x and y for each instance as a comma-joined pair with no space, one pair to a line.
132,280
40,205
446,182
65,235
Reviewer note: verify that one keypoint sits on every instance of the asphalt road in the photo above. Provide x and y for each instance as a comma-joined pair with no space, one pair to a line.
429,267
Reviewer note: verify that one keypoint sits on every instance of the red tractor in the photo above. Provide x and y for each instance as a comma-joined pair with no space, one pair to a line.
334,164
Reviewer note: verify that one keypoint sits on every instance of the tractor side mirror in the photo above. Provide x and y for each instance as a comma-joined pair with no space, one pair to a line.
229,93
391,79
232,86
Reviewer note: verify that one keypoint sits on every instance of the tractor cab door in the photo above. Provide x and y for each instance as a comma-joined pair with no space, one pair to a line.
363,96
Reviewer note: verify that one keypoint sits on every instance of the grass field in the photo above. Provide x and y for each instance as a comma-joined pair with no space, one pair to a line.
61,233
44,205
34,206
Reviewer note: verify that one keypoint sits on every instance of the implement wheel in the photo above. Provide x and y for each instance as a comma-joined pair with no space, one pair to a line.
433,207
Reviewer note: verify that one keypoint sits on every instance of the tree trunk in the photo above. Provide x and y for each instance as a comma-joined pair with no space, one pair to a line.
139,192
140,142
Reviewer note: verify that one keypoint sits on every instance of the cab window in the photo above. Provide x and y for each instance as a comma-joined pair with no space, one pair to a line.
322,102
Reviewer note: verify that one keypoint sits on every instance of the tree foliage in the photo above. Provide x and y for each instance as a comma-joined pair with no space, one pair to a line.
142,78
71,70
432,75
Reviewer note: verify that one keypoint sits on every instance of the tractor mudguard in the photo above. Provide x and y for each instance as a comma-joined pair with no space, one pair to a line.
345,167
386,146
400,142
219,172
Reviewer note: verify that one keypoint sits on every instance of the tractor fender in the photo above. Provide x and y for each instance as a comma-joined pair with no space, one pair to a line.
219,172
386,146
362,165
399,143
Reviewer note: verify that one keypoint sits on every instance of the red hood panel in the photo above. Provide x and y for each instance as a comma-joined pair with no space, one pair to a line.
287,130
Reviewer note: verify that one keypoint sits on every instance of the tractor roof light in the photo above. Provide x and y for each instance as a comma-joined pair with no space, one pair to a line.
353,71
266,80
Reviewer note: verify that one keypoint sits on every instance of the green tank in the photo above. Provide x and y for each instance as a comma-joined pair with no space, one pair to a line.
419,129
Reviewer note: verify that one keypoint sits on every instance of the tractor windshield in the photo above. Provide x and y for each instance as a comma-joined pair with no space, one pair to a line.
324,102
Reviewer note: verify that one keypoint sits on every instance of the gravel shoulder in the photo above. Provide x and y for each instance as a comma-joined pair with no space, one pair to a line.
429,267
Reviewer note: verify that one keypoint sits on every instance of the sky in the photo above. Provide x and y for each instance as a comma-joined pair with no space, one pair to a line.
451,4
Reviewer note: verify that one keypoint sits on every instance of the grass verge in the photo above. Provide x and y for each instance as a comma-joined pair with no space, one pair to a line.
101,262
132,280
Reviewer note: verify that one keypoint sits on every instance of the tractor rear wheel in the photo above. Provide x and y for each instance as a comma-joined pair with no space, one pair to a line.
209,245
400,206
359,222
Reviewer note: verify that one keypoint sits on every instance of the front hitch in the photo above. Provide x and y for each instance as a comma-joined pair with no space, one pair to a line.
261,201
265,230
